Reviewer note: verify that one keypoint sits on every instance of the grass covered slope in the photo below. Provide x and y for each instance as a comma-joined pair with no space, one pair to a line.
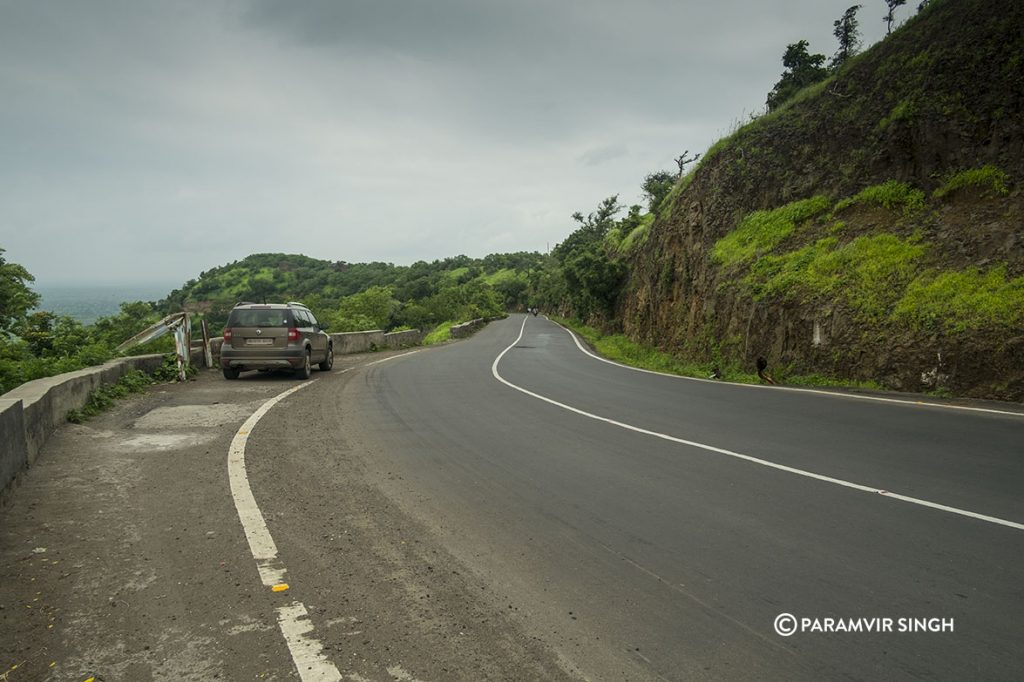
870,230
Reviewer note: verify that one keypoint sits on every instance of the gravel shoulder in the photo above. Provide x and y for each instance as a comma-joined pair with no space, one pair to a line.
122,556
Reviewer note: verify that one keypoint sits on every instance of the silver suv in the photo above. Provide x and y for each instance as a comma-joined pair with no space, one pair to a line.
274,336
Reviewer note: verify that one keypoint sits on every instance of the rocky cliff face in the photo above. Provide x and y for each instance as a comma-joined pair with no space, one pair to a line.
923,137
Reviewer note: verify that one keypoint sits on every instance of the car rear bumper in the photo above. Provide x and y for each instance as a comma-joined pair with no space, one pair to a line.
242,359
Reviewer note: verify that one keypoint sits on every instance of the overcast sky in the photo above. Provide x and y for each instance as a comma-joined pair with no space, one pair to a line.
145,141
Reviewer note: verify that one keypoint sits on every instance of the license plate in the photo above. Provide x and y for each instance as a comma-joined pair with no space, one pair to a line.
259,342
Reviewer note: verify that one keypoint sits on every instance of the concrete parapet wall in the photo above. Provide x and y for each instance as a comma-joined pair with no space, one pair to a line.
411,337
461,331
14,452
45,403
358,342
344,343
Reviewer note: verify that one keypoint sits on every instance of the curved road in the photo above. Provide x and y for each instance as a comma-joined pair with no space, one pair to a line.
644,558
509,507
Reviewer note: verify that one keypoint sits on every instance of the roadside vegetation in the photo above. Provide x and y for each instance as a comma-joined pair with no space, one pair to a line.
884,278
36,344
621,349
104,397
348,297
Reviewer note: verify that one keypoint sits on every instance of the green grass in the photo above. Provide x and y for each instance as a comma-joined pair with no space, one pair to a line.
904,110
824,381
619,348
869,273
105,396
638,236
963,300
440,333
762,231
667,205
891,195
988,179
500,276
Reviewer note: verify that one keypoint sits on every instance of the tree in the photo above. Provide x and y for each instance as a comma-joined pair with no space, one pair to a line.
684,159
593,278
888,18
846,29
802,69
16,299
656,187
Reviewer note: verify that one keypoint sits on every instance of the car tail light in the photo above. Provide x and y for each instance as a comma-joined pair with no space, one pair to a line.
227,333
293,334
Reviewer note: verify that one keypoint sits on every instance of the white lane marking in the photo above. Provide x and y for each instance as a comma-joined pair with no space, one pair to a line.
400,355
737,455
307,652
833,394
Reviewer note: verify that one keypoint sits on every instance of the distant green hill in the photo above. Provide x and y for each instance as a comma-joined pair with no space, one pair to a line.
354,295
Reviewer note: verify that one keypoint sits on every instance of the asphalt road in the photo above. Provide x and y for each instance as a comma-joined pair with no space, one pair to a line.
442,516
641,558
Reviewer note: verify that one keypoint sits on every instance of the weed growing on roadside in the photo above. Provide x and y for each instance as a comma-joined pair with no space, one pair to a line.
168,371
440,334
105,396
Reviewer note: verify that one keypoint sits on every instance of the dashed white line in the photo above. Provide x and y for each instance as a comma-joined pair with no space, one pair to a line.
737,455
306,651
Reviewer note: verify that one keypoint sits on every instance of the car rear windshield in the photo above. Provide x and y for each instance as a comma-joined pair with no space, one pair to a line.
259,318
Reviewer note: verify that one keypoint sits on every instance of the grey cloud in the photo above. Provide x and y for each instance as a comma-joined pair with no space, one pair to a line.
161,137
599,155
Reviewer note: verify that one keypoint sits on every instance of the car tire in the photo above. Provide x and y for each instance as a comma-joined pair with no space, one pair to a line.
231,372
307,367
328,362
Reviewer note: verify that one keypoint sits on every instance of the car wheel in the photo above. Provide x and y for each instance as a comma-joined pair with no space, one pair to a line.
328,362
230,373
307,367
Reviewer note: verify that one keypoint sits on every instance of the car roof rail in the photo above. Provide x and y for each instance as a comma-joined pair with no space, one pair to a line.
244,303
303,305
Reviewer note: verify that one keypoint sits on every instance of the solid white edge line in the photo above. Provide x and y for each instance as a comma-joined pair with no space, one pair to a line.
738,455
795,389
293,620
